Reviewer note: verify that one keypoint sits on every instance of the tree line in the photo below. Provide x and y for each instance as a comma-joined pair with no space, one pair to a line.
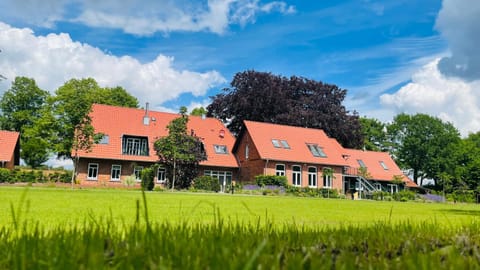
426,146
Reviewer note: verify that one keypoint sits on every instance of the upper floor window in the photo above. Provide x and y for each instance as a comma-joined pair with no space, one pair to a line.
137,146
285,144
220,149
104,140
276,143
316,150
247,151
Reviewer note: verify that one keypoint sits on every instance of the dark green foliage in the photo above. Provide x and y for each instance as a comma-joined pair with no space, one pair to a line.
271,180
404,195
206,182
148,175
296,101
4,175
374,134
312,192
33,176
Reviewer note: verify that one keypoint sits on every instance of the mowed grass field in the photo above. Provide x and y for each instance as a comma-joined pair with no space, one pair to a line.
54,228
55,206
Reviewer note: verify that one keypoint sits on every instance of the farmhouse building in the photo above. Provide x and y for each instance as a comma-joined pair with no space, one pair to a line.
309,158
9,149
127,145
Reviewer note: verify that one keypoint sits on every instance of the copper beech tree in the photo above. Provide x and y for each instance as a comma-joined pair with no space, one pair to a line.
296,101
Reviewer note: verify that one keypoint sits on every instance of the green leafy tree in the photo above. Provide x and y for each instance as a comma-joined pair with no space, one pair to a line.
21,108
296,101
199,111
423,144
180,152
467,169
374,134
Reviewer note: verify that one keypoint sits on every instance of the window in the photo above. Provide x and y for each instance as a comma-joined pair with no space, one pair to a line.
285,144
280,170
316,150
137,172
378,186
327,181
312,177
361,163
276,143
161,175
104,140
246,151
92,171
384,166
296,175
393,188
116,172
220,149
224,178
137,146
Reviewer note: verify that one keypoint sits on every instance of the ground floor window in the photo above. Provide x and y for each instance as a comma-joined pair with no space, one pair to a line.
327,181
377,186
92,171
137,172
224,177
280,170
116,172
393,188
312,177
296,175
161,175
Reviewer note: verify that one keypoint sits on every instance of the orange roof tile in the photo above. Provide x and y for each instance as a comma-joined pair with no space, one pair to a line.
297,138
372,161
118,121
8,141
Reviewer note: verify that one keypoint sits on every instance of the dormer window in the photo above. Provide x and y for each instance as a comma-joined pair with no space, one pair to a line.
316,150
135,146
220,149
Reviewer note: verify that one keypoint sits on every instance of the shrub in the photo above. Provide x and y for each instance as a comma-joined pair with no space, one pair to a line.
404,195
5,175
129,181
147,175
207,183
380,195
271,180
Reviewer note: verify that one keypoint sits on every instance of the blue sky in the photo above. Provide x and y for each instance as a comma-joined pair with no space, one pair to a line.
175,53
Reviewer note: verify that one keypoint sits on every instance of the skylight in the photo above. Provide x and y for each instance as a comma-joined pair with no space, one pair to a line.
316,150
285,144
384,166
276,143
220,149
361,163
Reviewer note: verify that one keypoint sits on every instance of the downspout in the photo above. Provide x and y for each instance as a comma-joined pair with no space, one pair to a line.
266,166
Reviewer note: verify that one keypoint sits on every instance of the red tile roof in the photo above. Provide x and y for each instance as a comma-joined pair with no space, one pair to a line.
297,138
8,141
372,161
118,121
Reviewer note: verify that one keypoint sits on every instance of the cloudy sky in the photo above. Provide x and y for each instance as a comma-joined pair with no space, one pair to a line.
392,56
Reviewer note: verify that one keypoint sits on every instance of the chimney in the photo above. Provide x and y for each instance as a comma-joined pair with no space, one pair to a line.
221,134
146,118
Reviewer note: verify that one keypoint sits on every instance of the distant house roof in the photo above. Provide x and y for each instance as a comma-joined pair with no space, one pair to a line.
116,122
294,144
379,165
8,142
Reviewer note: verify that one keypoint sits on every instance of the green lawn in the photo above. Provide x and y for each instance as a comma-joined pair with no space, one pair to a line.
56,206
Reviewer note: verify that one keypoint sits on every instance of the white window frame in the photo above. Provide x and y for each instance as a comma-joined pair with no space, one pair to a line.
276,143
361,163
279,172
296,176
116,167
285,144
220,149
224,177
312,177
160,179
378,186
384,166
316,150
247,151
393,188
327,181
138,176
90,166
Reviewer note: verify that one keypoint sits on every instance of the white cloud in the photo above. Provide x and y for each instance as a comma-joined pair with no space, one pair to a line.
458,21
53,59
430,92
144,17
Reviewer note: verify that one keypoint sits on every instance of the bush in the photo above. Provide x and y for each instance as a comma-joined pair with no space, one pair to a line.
404,195
207,183
148,175
271,180
380,195
5,175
